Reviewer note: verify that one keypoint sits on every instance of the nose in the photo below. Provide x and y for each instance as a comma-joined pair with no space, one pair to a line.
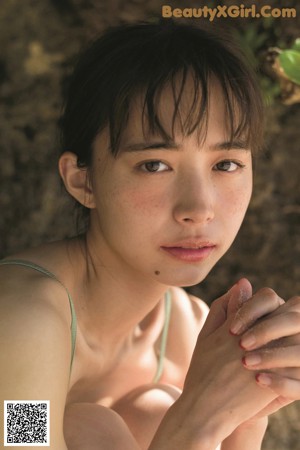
194,202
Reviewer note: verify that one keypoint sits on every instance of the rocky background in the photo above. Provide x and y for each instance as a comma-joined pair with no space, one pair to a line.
39,40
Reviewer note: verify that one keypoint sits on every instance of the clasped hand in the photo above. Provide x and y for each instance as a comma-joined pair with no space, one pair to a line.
269,332
246,363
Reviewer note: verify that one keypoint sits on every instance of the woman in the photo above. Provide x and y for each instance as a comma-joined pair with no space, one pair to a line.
159,132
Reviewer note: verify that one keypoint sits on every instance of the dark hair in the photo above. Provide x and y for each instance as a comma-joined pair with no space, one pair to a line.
145,57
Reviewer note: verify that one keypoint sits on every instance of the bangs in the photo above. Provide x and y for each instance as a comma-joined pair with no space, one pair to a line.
195,68
237,116
147,59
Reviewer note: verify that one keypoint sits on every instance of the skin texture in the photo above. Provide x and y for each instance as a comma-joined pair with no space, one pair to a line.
181,193
186,197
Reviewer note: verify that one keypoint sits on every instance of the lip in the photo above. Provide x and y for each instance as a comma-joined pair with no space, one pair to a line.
190,250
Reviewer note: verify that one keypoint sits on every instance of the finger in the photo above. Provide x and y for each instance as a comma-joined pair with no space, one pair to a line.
238,296
274,406
263,302
288,372
294,303
229,303
272,358
287,388
216,317
270,329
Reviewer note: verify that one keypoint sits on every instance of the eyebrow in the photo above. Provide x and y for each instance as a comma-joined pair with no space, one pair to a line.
155,145
171,145
230,145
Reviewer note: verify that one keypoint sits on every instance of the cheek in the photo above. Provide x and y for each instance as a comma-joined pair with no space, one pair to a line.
142,202
240,202
236,201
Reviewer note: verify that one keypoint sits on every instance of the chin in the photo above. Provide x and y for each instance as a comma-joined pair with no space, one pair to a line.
184,278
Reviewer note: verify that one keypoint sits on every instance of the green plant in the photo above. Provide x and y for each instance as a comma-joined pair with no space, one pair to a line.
289,61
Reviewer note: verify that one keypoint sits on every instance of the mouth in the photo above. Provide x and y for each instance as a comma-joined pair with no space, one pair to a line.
190,251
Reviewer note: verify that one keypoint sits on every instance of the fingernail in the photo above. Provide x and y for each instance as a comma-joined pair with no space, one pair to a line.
236,327
263,379
248,341
251,360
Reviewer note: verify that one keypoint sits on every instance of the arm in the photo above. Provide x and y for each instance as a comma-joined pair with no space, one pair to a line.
34,357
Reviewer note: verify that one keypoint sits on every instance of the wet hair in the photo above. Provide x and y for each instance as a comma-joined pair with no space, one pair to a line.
145,58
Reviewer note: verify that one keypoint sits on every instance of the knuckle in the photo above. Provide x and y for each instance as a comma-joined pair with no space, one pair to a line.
269,295
295,302
294,317
267,292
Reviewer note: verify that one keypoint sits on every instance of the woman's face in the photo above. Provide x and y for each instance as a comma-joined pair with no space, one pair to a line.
168,211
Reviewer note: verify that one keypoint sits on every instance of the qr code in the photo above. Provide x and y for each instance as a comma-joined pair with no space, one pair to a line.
26,423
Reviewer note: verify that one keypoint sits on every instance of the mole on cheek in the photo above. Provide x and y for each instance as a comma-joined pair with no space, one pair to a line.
157,272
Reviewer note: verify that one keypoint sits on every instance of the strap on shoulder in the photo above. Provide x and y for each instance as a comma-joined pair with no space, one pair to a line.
31,265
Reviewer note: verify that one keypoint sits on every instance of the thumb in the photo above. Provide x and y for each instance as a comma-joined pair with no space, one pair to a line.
238,294
226,305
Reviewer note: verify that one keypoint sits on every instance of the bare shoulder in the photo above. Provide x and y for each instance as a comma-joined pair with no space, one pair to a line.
25,292
35,347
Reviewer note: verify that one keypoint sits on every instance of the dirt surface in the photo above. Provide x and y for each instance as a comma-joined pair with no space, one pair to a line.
38,42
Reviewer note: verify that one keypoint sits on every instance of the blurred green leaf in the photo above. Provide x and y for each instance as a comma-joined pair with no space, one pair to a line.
290,63
296,45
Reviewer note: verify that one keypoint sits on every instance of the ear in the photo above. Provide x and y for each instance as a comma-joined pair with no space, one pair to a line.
76,180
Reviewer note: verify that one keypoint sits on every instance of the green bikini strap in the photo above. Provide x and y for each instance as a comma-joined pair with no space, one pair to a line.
164,337
46,272
165,330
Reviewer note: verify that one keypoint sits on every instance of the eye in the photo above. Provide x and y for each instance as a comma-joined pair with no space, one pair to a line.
154,166
228,166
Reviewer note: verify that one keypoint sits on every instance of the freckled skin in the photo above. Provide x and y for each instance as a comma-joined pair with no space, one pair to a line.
190,198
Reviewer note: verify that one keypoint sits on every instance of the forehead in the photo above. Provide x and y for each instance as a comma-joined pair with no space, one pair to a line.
178,109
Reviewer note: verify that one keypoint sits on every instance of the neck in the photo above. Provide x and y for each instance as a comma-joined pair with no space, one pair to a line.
115,300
